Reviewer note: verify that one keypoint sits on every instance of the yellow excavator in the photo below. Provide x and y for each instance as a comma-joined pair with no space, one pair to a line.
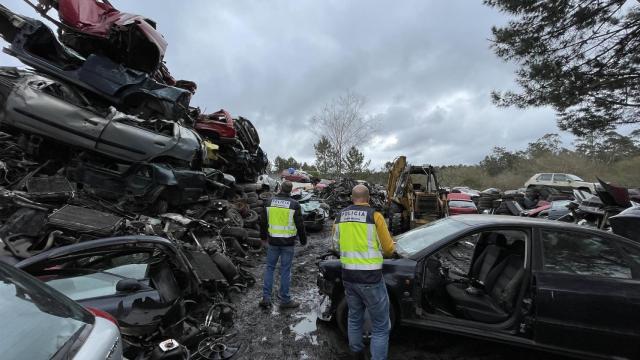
413,196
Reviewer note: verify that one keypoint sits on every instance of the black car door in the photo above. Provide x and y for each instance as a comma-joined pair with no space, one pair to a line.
587,293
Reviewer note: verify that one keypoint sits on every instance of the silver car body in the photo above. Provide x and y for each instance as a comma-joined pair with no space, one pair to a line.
31,108
103,343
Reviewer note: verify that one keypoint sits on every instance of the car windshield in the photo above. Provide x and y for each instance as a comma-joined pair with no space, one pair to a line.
574,178
414,241
461,204
33,313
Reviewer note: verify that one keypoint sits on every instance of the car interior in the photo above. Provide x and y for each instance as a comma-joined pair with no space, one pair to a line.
477,278
114,274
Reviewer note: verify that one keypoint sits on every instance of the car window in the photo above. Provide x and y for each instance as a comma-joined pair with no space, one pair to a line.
97,275
574,178
461,204
457,256
414,241
544,177
560,177
586,254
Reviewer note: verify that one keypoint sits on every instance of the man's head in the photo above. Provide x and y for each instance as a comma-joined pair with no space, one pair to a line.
360,194
286,187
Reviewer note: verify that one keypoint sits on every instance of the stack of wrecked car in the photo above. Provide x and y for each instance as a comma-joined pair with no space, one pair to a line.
109,194
338,195
239,152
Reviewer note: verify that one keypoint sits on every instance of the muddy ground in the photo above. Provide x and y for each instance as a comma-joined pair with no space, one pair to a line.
296,334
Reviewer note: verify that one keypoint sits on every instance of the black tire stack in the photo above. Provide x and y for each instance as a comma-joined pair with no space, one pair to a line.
251,213
487,199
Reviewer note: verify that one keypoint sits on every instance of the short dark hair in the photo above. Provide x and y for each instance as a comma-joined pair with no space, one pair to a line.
286,187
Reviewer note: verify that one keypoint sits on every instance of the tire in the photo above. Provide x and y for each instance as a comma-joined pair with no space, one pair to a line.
251,219
248,187
265,195
254,242
235,218
342,314
252,195
236,232
226,267
160,206
253,233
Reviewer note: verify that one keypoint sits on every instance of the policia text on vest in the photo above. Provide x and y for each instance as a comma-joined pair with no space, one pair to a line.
282,222
361,237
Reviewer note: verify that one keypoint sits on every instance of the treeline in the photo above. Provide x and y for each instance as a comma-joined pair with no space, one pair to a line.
610,156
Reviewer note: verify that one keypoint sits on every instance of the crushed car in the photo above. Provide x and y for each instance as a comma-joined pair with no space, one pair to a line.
38,105
153,288
337,195
97,27
130,91
315,212
239,152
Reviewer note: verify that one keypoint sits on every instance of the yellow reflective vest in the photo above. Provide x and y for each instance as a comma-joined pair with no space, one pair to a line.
280,218
357,239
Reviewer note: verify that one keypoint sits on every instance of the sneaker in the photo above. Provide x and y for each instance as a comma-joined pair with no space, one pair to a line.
265,303
290,305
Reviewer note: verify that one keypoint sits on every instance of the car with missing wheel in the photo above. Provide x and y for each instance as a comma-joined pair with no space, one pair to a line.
529,282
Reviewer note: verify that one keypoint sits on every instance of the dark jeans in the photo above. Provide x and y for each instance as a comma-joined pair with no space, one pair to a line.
285,253
375,299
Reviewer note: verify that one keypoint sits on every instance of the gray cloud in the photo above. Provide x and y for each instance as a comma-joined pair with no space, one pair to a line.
424,66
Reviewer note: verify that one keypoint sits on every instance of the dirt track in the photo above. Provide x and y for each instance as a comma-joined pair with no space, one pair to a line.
296,334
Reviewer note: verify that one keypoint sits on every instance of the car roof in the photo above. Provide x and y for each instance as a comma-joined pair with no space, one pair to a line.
482,220
95,244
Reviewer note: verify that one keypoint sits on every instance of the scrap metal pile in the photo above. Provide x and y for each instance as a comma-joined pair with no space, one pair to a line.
609,207
98,140
338,195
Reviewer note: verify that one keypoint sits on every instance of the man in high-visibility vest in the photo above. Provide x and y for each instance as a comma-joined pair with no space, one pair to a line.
362,238
281,223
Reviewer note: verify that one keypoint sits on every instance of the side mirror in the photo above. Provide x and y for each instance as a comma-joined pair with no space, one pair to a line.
128,285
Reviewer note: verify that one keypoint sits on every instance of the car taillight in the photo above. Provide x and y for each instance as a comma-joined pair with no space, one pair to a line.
102,314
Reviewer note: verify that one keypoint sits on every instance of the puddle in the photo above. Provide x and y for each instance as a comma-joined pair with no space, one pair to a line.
305,327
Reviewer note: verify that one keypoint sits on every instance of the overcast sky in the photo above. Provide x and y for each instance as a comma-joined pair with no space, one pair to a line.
425,68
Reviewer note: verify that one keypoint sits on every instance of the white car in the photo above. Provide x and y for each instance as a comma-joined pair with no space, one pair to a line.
266,182
38,322
559,181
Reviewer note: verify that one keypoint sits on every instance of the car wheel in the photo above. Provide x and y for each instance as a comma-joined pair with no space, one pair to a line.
252,218
235,219
342,315
226,266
